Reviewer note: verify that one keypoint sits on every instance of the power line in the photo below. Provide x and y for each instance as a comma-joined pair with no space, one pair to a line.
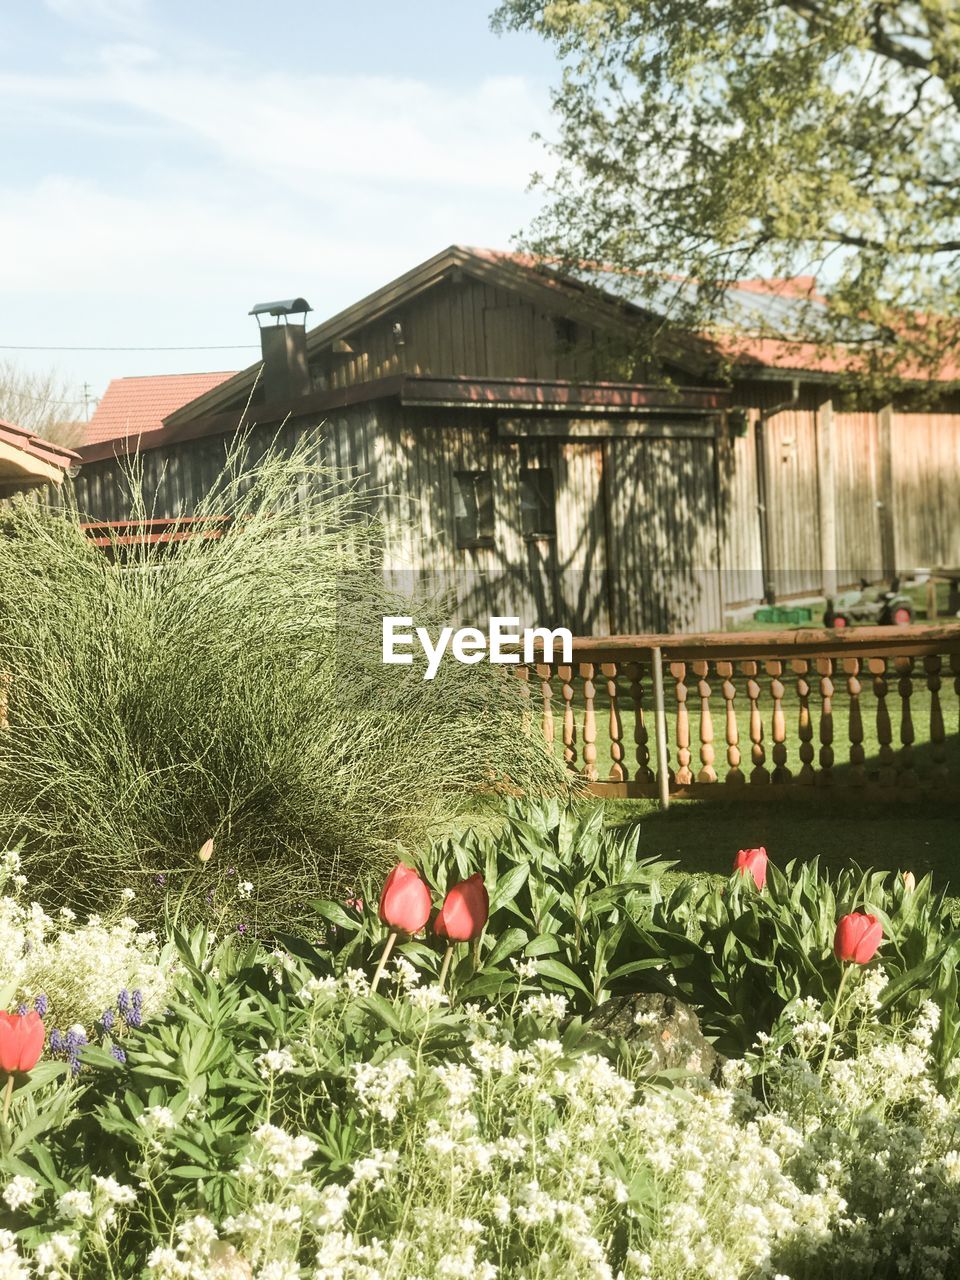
237,346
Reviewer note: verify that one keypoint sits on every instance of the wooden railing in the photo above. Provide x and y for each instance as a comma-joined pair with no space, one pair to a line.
874,710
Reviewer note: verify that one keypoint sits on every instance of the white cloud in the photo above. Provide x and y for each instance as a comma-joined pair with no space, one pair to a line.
310,130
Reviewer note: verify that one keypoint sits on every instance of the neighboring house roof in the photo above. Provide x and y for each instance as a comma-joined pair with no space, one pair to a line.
27,460
134,406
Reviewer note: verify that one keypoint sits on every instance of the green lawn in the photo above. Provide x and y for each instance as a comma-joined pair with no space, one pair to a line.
704,836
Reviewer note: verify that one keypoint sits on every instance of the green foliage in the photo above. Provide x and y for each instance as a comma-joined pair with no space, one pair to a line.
563,888
724,141
231,688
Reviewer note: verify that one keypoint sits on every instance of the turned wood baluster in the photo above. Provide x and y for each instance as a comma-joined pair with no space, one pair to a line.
887,761
758,774
731,728
779,725
587,670
618,770
825,668
933,665
858,772
907,773
707,771
806,776
526,717
569,722
545,672
641,737
684,775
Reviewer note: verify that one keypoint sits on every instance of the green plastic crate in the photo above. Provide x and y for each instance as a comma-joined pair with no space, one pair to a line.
790,617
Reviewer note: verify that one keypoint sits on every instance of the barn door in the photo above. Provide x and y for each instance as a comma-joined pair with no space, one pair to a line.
563,531
663,548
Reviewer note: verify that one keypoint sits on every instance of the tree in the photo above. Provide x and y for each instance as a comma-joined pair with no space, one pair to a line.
715,140
40,402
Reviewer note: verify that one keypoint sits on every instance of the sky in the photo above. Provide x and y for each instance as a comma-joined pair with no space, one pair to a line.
169,163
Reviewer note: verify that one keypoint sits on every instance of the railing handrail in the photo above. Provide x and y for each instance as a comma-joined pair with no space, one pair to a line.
915,640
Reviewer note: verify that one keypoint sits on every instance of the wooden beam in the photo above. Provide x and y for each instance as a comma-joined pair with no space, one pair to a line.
827,496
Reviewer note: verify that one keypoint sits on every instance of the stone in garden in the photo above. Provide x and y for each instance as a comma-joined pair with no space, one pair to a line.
667,1028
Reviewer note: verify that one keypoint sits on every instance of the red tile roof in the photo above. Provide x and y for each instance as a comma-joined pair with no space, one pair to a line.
133,406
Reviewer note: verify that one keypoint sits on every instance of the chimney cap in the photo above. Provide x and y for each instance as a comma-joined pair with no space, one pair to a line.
286,307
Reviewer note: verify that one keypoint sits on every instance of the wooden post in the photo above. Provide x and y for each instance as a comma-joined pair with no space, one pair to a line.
618,771
660,727
641,736
731,728
805,727
569,723
858,772
545,672
827,497
938,738
684,773
907,773
878,669
825,667
758,774
589,722
888,539
779,725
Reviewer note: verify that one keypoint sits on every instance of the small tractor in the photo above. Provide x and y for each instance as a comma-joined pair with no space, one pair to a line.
886,607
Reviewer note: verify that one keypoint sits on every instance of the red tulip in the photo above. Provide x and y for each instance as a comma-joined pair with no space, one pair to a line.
464,911
21,1040
754,861
857,938
405,901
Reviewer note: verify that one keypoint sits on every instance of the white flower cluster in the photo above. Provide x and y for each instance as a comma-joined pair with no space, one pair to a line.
79,967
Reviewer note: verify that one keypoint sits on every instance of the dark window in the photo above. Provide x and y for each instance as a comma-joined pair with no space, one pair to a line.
538,512
474,508
564,332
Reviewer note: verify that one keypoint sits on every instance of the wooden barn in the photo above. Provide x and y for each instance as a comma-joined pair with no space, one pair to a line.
506,421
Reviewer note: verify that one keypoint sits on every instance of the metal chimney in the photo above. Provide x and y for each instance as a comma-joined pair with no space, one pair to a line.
286,374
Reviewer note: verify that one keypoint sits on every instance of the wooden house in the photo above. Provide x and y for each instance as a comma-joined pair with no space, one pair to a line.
506,420
29,462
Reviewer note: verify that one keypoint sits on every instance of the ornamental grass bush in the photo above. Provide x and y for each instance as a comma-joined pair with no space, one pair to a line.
232,688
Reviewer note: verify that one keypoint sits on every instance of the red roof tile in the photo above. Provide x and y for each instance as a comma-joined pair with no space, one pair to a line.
133,406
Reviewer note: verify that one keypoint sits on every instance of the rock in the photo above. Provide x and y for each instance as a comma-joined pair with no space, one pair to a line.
664,1026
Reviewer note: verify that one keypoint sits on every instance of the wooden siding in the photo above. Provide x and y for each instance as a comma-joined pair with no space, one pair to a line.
925,454
475,329
856,471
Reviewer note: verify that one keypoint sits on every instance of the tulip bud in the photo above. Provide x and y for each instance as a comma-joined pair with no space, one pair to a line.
464,912
405,901
909,882
857,938
205,852
753,861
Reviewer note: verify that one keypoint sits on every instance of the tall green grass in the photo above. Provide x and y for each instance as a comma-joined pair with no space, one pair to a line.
232,688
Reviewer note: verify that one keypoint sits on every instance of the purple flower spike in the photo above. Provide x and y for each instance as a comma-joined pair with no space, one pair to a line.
74,1041
124,1004
74,1061
57,1042
137,999
134,1018
241,929
118,1053
108,1019
41,1004
21,1010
